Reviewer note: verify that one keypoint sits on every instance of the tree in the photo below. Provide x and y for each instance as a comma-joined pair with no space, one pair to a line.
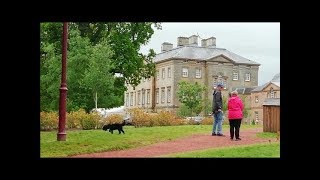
88,73
190,94
125,40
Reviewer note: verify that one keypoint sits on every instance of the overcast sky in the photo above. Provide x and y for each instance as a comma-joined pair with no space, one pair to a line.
259,42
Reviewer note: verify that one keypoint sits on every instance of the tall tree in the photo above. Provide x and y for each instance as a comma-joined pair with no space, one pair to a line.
125,40
86,46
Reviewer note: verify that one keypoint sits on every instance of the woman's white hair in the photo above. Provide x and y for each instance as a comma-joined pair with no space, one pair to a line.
234,92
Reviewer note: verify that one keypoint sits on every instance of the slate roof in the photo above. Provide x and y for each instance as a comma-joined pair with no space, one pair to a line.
201,53
275,80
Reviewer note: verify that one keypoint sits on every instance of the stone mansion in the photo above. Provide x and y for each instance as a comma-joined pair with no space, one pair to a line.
205,64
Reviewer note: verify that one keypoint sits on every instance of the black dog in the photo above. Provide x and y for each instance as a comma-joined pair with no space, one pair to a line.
112,127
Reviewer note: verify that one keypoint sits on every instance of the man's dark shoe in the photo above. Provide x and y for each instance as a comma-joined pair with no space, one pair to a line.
214,134
219,134
238,139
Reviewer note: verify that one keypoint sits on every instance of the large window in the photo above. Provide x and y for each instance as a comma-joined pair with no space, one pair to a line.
169,72
139,97
162,95
247,77
235,76
184,72
143,96
127,99
163,73
169,94
198,73
148,96
131,99
157,96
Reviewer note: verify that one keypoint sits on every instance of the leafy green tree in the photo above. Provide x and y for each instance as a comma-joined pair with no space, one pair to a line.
88,74
190,94
125,40
86,53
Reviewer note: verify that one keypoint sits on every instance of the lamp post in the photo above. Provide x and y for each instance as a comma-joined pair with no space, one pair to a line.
62,135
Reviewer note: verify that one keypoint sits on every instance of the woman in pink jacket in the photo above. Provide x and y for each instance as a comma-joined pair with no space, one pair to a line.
235,108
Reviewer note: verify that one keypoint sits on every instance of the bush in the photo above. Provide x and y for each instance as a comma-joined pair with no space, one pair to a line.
207,121
113,119
163,118
139,117
74,118
48,121
166,118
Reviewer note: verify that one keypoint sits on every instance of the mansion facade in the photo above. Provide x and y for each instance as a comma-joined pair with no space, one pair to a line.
205,64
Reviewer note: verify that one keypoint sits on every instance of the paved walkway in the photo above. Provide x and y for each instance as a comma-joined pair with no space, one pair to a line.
190,143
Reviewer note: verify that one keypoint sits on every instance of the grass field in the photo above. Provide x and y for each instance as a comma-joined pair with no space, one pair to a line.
271,150
90,141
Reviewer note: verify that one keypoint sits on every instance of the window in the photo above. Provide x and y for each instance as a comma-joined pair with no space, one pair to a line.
272,93
184,72
224,81
131,99
163,73
162,95
257,99
148,96
127,99
215,82
143,96
139,97
158,75
135,98
144,79
198,73
169,94
169,72
256,115
157,96
247,77
235,76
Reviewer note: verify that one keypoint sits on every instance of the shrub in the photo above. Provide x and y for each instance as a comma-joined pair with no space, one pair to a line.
74,118
166,118
207,121
113,119
139,117
163,118
48,121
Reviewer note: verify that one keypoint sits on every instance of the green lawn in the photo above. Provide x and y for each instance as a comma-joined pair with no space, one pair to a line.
89,141
271,150
267,135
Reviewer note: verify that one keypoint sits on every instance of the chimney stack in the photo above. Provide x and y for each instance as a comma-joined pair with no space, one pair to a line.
210,42
166,46
193,40
182,41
